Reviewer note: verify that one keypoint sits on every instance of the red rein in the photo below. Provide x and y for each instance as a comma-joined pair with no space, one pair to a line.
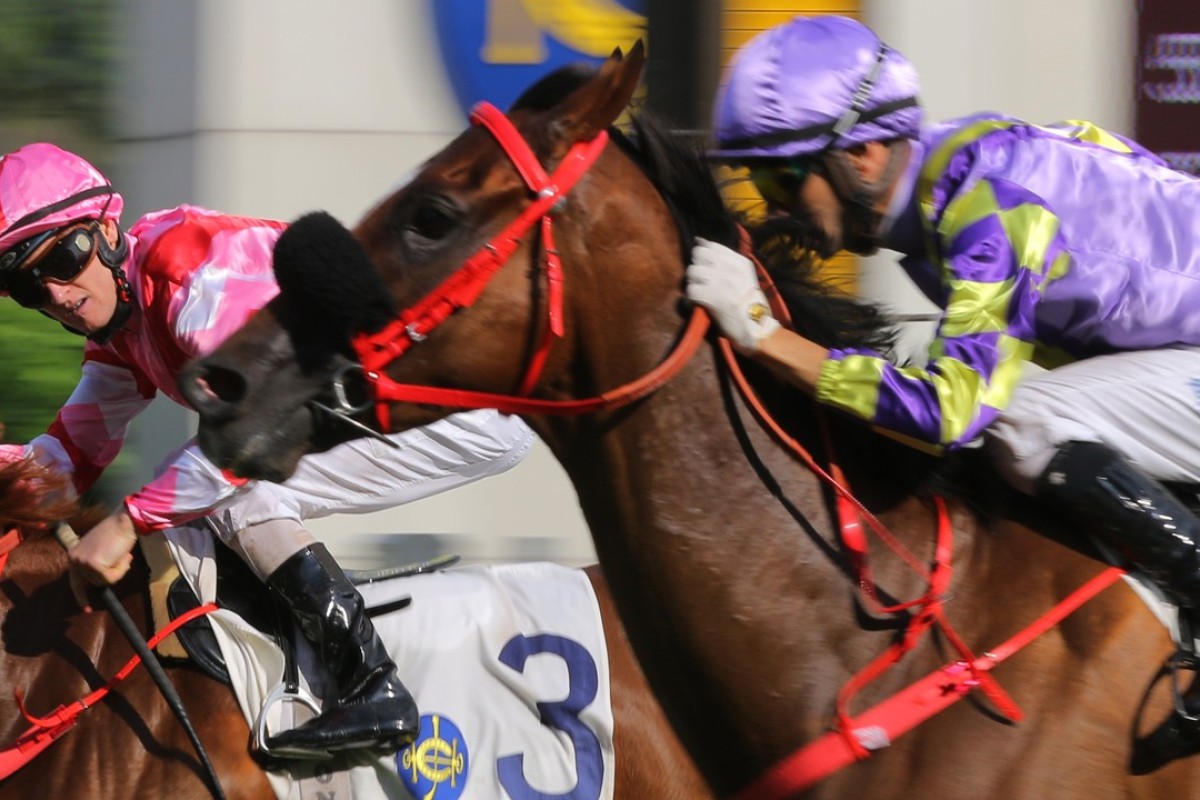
8,542
43,731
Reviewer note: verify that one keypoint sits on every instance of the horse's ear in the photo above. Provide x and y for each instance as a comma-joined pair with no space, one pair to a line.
597,104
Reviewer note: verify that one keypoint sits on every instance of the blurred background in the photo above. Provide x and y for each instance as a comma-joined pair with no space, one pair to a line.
278,107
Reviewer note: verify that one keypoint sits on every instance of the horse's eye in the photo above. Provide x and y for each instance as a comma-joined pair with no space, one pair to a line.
431,222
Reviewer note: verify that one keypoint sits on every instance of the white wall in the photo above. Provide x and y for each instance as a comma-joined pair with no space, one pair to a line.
1042,60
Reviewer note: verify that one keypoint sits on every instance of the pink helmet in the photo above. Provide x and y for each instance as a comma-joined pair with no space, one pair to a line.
43,187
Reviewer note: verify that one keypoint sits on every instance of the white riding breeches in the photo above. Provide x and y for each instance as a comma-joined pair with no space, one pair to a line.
1143,404
366,475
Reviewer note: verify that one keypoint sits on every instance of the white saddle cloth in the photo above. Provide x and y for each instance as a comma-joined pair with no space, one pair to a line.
508,665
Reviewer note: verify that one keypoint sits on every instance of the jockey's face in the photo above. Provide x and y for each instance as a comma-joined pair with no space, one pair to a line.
819,204
842,224
87,302
798,187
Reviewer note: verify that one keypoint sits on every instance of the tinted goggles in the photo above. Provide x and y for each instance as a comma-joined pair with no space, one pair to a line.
70,253
779,181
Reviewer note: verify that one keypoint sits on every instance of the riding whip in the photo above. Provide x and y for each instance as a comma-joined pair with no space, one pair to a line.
68,539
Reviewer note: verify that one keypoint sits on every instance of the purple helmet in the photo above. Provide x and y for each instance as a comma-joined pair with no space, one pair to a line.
43,187
812,84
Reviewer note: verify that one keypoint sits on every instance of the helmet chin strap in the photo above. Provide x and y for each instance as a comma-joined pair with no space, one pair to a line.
861,197
114,259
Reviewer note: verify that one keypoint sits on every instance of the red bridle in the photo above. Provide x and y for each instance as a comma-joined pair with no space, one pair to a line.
464,286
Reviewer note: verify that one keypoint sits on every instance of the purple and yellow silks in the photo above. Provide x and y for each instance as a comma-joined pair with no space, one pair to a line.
1047,243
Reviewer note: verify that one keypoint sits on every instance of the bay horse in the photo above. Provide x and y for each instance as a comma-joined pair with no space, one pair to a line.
721,548
130,745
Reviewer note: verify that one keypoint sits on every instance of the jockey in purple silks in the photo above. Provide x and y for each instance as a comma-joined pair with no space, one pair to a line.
1063,246
149,299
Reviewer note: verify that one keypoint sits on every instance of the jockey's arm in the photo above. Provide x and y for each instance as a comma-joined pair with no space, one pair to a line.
793,358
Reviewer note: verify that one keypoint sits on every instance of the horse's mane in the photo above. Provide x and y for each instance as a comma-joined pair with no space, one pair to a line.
683,173
553,88
680,170
33,497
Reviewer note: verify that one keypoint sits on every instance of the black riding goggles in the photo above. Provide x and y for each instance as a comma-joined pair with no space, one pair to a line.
778,181
66,258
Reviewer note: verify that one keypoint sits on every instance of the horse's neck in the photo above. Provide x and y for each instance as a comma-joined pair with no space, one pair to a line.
42,624
709,562
689,477
40,610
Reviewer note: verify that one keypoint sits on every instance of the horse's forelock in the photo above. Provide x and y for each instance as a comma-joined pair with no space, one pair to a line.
554,87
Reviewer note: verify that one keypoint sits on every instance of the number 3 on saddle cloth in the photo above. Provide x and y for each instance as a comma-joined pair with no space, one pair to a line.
482,648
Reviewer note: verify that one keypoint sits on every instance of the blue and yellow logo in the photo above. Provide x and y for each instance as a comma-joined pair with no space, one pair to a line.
495,49
436,765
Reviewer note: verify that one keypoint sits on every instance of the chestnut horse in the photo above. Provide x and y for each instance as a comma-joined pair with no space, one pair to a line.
130,746
721,548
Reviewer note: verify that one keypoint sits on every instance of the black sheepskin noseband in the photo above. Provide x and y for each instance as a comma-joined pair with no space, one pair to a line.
330,288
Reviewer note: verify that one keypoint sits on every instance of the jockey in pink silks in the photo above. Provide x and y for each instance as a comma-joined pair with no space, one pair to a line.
149,300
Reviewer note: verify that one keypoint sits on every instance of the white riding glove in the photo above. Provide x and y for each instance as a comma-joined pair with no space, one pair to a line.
725,283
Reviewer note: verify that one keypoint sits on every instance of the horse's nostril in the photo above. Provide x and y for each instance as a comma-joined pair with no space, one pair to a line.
212,389
224,384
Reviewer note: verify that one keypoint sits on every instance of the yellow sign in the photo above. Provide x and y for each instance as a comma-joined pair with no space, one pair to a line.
516,29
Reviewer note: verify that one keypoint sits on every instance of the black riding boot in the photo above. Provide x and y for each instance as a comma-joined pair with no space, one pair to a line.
1129,512
372,708
1150,528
